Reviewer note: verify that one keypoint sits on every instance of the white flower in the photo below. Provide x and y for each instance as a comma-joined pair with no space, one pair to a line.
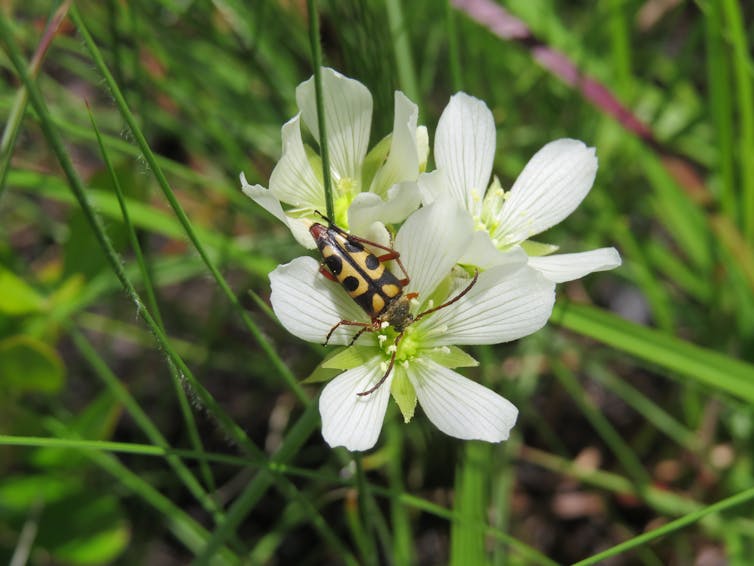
367,188
549,188
507,302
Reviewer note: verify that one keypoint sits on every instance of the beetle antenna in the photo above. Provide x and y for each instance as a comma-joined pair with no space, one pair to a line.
377,385
451,301
317,212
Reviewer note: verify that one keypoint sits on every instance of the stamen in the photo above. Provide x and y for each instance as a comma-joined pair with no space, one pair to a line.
437,330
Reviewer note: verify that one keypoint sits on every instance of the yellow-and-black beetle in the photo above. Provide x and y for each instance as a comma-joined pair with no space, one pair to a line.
368,281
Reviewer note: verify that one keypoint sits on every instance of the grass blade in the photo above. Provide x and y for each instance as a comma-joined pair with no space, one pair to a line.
712,369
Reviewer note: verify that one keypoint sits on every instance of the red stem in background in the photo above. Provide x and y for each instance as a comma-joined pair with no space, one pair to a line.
506,26
681,168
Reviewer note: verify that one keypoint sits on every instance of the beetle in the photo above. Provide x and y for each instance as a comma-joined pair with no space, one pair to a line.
368,281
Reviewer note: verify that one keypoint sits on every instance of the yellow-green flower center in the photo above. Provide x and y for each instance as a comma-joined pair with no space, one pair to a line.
407,348
488,217
346,189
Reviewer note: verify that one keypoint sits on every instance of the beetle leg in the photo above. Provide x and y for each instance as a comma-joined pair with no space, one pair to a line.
324,271
381,381
359,333
451,301
366,326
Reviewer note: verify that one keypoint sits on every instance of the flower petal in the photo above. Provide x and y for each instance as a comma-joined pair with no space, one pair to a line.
465,148
308,304
430,243
567,267
348,117
434,186
264,198
349,419
550,187
506,303
367,208
292,180
483,254
402,163
460,407
422,146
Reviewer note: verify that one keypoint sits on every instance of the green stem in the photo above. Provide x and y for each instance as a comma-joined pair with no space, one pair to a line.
185,529
736,34
188,415
364,499
145,423
454,56
321,122
403,58
16,116
120,101
688,519
77,186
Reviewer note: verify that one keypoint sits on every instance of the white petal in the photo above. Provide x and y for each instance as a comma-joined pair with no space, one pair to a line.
349,419
378,233
402,163
430,243
460,407
567,267
550,187
465,148
367,208
292,180
348,116
422,146
264,198
506,303
434,186
483,254
308,304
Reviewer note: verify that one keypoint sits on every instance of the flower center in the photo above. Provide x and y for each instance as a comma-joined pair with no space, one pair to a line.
488,218
407,348
346,189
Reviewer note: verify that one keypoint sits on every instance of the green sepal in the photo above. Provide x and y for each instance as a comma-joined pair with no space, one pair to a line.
376,157
315,161
404,394
321,375
451,357
537,249
339,360
350,357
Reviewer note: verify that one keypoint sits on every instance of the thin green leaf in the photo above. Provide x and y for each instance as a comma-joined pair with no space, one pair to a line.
712,369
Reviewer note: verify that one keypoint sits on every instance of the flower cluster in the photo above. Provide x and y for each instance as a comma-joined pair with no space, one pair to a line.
463,240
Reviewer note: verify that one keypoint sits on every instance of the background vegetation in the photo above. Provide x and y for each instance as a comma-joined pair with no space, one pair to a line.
150,410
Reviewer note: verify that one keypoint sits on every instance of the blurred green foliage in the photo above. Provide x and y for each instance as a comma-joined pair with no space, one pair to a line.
103,460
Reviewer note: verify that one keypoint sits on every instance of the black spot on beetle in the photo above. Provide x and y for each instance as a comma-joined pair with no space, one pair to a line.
334,264
351,283
353,247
